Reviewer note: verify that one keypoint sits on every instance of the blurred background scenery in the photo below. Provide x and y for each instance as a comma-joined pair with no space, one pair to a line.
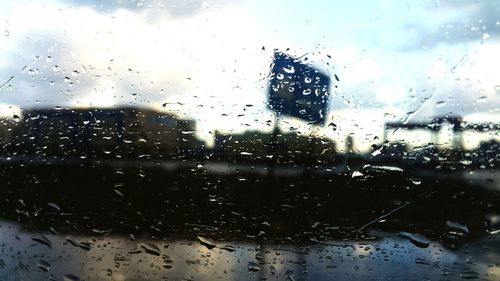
250,140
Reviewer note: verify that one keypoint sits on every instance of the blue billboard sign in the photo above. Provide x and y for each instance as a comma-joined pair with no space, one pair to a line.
298,90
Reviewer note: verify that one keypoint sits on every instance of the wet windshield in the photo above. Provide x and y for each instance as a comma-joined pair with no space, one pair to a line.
249,140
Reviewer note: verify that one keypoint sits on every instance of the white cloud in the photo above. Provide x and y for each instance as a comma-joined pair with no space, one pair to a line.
212,63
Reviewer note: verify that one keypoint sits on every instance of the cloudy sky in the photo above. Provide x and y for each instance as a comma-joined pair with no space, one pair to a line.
209,60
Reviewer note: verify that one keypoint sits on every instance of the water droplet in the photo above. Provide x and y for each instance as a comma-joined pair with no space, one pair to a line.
67,79
119,193
290,275
289,69
49,59
482,99
469,274
167,262
421,261
492,223
55,206
417,239
206,242
229,248
272,269
151,249
42,240
440,103
80,244
75,73
252,266
306,92
416,181
383,168
307,80
43,265
446,272
55,68
71,277
280,76
136,250
357,174
457,228
101,231
465,162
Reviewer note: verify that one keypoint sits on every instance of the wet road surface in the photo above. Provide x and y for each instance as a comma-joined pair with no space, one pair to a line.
109,223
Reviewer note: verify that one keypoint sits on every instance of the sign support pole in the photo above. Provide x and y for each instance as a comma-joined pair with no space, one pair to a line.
309,161
273,148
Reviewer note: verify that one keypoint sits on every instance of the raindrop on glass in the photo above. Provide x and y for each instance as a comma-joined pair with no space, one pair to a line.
417,239
151,249
492,223
206,242
71,277
289,69
458,228
252,266
43,265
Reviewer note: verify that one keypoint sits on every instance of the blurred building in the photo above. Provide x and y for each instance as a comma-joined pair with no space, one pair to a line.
455,123
452,157
7,125
434,126
288,147
117,132
487,155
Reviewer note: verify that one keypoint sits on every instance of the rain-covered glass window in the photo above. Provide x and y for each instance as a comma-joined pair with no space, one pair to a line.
249,140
